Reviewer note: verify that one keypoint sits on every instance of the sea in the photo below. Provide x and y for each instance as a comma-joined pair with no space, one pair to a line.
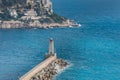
92,50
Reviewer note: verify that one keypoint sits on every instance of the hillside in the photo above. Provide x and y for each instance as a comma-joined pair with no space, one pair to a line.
9,3
30,13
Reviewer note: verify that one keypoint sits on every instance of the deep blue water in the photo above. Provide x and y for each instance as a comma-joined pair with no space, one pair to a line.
93,49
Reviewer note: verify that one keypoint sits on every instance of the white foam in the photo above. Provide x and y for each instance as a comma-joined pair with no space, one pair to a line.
62,70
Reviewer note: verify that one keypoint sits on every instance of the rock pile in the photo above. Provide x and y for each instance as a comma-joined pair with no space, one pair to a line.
51,70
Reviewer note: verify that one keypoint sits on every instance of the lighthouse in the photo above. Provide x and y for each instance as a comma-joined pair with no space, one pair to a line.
51,51
51,47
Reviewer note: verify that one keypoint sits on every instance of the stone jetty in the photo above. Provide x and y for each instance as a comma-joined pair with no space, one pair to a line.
51,70
47,69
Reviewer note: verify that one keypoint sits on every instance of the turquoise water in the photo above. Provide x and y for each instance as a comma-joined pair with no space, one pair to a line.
93,49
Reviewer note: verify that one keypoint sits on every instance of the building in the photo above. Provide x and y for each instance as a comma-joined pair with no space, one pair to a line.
48,5
30,2
13,13
51,51
30,14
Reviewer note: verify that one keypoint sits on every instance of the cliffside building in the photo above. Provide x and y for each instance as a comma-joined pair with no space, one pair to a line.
48,5
13,13
30,14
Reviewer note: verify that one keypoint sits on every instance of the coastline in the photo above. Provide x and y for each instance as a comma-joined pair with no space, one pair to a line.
19,24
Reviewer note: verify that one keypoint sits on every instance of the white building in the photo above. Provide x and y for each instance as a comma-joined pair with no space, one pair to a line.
48,5
13,13
30,14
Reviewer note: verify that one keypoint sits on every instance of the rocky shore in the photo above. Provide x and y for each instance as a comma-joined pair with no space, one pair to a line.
51,70
35,24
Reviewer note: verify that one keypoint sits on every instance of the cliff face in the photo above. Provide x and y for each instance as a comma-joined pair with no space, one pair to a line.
42,7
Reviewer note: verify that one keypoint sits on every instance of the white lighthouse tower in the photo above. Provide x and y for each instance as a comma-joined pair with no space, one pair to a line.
51,51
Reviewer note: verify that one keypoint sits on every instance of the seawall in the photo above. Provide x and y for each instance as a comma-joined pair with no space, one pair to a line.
38,68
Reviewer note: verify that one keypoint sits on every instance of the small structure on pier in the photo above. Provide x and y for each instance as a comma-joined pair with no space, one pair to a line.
51,51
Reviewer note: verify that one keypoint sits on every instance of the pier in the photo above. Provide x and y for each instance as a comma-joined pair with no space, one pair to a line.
47,69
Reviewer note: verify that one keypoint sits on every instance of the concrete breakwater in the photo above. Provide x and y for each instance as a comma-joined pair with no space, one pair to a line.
47,69
51,70
38,68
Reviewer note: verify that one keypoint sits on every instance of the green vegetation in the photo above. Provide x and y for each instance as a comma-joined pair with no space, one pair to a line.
53,18
8,3
28,6
57,18
5,15
45,20
37,9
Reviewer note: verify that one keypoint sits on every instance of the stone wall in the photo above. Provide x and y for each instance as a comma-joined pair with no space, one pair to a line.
11,24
